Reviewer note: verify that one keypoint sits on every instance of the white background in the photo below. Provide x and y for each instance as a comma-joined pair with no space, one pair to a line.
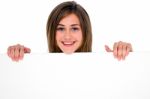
24,22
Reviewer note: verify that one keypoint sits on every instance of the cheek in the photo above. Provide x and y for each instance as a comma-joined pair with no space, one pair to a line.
58,36
80,37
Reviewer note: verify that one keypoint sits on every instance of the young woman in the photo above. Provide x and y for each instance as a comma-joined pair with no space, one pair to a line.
68,31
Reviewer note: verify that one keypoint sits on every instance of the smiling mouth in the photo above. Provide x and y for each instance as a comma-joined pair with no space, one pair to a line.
68,44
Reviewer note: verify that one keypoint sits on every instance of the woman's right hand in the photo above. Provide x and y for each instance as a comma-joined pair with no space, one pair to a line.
16,52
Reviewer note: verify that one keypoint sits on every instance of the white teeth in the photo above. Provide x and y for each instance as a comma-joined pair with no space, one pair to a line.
68,43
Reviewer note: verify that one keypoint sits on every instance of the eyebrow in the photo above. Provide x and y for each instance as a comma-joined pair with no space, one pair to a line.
71,25
61,25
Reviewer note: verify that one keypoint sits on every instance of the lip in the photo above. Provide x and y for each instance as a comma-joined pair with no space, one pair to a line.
68,43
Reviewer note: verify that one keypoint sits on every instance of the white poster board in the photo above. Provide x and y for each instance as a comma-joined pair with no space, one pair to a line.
76,76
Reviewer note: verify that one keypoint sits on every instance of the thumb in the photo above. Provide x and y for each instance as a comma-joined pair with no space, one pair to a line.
27,50
108,49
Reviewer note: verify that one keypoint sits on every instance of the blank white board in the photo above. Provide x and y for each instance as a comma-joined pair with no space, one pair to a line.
75,76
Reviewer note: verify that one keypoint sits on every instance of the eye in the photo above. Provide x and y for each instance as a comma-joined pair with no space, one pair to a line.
60,29
75,29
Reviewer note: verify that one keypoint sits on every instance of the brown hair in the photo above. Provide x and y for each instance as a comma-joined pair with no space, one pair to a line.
59,12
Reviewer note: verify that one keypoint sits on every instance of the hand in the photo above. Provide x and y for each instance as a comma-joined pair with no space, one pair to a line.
16,52
120,49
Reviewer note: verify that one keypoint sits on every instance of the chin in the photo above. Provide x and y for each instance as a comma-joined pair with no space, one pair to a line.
68,52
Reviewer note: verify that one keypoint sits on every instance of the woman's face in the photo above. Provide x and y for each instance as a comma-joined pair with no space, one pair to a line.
69,34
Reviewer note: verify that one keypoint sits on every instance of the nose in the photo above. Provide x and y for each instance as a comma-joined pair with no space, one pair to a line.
67,35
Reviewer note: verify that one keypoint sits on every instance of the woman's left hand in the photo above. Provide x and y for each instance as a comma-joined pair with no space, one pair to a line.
120,49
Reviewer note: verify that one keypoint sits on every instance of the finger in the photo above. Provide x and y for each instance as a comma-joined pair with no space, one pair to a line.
124,51
119,51
12,53
9,50
115,49
108,49
21,55
17,52
27,50
128,49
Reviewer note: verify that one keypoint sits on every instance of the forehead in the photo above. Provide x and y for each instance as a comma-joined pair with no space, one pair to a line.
70,19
